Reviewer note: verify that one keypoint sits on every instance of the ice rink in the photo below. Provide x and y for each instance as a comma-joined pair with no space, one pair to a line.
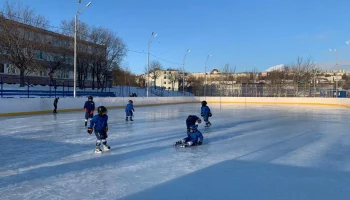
250,152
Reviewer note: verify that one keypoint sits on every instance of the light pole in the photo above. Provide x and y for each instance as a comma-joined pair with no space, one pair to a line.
75,45
149,46
183,73
315,71
336,74
205,75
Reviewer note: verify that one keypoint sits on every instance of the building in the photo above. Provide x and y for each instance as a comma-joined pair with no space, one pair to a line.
50,49
168,79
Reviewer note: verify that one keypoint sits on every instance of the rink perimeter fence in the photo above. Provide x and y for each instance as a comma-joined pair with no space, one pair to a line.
46,88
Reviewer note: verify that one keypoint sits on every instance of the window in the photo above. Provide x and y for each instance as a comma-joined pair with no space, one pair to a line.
164,83
2,68
164,77
38,54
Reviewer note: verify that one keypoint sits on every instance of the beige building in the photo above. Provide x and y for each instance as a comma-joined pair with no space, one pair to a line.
169,79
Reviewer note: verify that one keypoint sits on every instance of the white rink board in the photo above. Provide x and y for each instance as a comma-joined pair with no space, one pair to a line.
14,105
19,105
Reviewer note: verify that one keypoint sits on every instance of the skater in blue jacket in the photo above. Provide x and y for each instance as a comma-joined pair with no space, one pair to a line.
205,113
100,125
129,109
194,138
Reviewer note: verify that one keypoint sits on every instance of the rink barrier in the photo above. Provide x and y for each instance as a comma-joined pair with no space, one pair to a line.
337,102
101,101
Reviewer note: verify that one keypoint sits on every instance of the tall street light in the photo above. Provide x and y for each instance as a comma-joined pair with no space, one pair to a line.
149,46
205,75
183,72
75,44
336,74
315,71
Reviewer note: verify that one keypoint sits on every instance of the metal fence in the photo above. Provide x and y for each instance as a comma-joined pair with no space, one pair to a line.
41,87
34,87
64,88
268,91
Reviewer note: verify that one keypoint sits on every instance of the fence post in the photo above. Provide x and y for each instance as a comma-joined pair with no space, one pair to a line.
50,88
28,87
63,89
1,82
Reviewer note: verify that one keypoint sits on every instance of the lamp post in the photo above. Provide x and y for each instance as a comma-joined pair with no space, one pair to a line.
336,74
205,75
149,46
75,45
315,71
183,73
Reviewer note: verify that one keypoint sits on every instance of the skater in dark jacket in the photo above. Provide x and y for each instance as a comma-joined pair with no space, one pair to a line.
99,124
55,102
89,108
192,120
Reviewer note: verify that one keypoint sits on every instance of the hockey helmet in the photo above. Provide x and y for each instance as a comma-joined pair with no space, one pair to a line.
101,110
204,103
90,97
130,101
199,121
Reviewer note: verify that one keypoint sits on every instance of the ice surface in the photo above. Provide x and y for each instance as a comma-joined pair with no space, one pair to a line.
251,152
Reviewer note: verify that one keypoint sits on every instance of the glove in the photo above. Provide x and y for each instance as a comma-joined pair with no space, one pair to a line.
91,112
210,115
106,129
89,130
133,110
200,143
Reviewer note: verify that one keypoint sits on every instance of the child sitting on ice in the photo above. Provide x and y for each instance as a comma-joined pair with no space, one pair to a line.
193,135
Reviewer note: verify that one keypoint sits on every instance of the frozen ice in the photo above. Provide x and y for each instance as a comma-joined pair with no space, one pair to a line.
250,152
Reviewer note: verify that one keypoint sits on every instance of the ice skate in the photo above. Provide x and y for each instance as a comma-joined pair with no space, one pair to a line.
177,143
131,119
98,150
106,147
86,123
126,119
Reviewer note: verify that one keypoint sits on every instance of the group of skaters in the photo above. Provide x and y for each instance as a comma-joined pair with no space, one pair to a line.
99,124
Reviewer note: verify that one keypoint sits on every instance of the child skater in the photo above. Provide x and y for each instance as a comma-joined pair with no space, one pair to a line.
129,109
205,113
100,125
194,138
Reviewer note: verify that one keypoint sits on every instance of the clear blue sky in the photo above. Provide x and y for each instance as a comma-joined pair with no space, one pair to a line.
243,33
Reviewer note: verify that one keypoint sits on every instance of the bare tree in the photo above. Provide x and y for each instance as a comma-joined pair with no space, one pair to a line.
83,55
173,78
155,70
55,62
195,84
19,39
